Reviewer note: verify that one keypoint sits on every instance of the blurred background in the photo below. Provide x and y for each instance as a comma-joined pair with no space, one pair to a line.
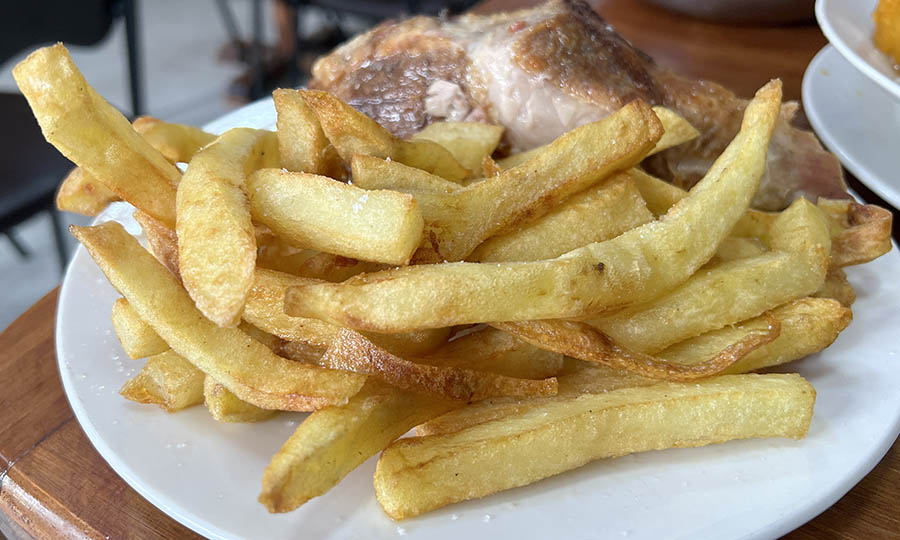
186,61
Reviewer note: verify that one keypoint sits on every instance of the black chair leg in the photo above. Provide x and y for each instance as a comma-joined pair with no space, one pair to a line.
134,60
60,239
17,244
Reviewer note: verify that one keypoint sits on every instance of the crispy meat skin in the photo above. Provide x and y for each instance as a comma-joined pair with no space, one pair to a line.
541,72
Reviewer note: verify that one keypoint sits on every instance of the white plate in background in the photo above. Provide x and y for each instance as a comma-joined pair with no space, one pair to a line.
857,120
207,475
849,26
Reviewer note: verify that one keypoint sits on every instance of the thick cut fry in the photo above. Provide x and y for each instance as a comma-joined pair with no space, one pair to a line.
415,475
176,142
595,215
216,239
322,214
265,310
732,291
274,253
167,380
301,141
584,342
138,339
94,135
469,142
335,440
457,222
370,172
636,266
808,326
162,241
676,130
837,286
335,268
351,351
83,194
861,233
227,407
247,368
351,132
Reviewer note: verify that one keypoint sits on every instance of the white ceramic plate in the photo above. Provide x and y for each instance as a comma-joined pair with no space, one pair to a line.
857,120
848,25
207,475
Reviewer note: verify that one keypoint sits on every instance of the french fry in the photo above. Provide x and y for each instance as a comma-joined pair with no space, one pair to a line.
335,268
597,214
419,474
676,130
82,194
227,407
320,213
370,172
247,368
138,339
167,380
94,135
808,325
584,342
731,291
351,132
636,266
216,239
162,240
457,222
861,233
351,351
301,141
335,440
176,142
469,142
837,286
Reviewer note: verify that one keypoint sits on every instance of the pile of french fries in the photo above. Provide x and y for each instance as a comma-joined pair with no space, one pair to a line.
526,315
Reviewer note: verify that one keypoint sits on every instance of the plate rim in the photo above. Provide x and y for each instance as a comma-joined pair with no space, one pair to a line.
858,62
865,175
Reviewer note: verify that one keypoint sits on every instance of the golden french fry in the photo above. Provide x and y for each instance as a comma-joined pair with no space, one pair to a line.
83,194
138,339
457,222
335,268
837,286
597,214
351,351
335,440
167,380
162,241
808,325
676,130
265,310
227,407
414,475
469,142
247,368
731,291
322,214
301,141
216,239
351,132
94,135
636,266
584,342
861,233
176,142
370,172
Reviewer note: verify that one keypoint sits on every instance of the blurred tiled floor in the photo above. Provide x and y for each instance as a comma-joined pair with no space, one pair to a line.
183,82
